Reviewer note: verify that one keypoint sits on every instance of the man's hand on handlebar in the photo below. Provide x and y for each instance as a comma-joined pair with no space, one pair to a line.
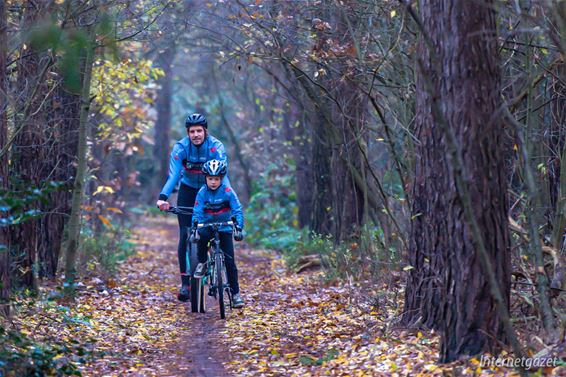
163,205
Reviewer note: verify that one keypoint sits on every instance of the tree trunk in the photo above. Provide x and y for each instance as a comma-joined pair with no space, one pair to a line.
443,255
163,123
4,250
304,171
428,225
460,79
322,221
62,131
26,167
74,225
557,176
348,193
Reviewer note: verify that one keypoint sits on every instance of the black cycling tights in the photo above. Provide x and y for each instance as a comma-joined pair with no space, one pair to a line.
227,247
186,198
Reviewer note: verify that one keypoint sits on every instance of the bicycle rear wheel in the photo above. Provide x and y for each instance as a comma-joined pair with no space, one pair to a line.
220,284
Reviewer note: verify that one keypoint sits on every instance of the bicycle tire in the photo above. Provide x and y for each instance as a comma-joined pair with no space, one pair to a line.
197,289
227,291
220,284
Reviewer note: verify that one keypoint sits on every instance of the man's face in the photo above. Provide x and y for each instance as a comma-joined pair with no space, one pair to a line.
213,182
196,134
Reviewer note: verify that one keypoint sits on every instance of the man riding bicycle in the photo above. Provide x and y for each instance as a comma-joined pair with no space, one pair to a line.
187,158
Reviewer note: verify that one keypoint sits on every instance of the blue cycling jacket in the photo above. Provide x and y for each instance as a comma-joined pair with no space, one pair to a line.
187,160
218,205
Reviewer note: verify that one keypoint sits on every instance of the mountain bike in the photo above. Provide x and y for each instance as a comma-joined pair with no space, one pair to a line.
216,276
192,260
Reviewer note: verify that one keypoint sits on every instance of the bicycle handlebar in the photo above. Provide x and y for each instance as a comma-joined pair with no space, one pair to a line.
180,210
231,222
224,223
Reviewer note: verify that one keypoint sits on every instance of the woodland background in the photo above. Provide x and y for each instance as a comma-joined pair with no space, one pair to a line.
417,144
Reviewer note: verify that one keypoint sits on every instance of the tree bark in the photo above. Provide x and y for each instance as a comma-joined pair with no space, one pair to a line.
163,105
427,242
322,221
556,165
461,77
78,189
26,166
62,135
4,247
302,150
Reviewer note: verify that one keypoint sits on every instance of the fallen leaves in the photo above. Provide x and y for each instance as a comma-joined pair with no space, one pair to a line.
125,324
296,325
292,325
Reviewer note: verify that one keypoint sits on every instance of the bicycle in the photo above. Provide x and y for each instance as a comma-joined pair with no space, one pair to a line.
192,259
216,276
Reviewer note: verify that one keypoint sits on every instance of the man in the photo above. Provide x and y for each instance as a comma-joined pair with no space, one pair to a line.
187,158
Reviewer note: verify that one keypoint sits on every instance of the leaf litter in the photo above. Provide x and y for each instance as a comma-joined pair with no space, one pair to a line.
292,324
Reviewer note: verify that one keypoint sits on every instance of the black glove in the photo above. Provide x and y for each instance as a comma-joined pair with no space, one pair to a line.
238,234
195,237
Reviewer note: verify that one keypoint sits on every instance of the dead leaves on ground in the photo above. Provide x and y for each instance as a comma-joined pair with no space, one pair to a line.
125,324
292,325
295,325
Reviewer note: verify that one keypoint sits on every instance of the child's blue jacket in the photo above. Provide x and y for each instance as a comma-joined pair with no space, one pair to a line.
218,205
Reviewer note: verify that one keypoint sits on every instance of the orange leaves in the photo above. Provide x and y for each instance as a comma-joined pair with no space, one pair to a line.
127,324
320,25
104,220
293,325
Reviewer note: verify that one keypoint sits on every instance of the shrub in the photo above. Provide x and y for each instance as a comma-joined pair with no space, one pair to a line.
102,253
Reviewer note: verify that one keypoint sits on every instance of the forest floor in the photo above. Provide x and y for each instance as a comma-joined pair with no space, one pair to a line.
292,324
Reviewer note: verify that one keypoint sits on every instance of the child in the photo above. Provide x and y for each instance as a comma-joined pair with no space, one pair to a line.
217,202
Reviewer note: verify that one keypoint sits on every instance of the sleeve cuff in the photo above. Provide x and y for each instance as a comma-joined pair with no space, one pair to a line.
162,197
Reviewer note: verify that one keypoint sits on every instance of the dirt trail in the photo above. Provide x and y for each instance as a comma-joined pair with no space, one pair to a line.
292,324
198,351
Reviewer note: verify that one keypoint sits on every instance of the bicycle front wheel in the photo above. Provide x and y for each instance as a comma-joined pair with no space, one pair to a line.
198,303
220,284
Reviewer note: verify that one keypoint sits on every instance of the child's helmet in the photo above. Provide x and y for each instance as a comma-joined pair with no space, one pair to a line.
215,168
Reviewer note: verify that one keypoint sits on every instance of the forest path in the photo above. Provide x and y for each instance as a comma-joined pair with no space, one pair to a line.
198,351
292,324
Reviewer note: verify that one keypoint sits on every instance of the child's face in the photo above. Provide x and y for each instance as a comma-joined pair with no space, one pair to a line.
213,182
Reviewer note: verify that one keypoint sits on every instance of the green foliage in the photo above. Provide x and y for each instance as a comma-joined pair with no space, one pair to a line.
146,211
272,224
103,252
307,243
271,214
310,361
22,356
364,259
68,44
19,204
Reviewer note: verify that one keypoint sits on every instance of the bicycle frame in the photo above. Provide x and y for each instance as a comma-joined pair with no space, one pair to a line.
216,276
196,305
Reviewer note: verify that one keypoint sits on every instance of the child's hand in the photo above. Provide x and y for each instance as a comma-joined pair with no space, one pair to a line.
195,237
238,234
